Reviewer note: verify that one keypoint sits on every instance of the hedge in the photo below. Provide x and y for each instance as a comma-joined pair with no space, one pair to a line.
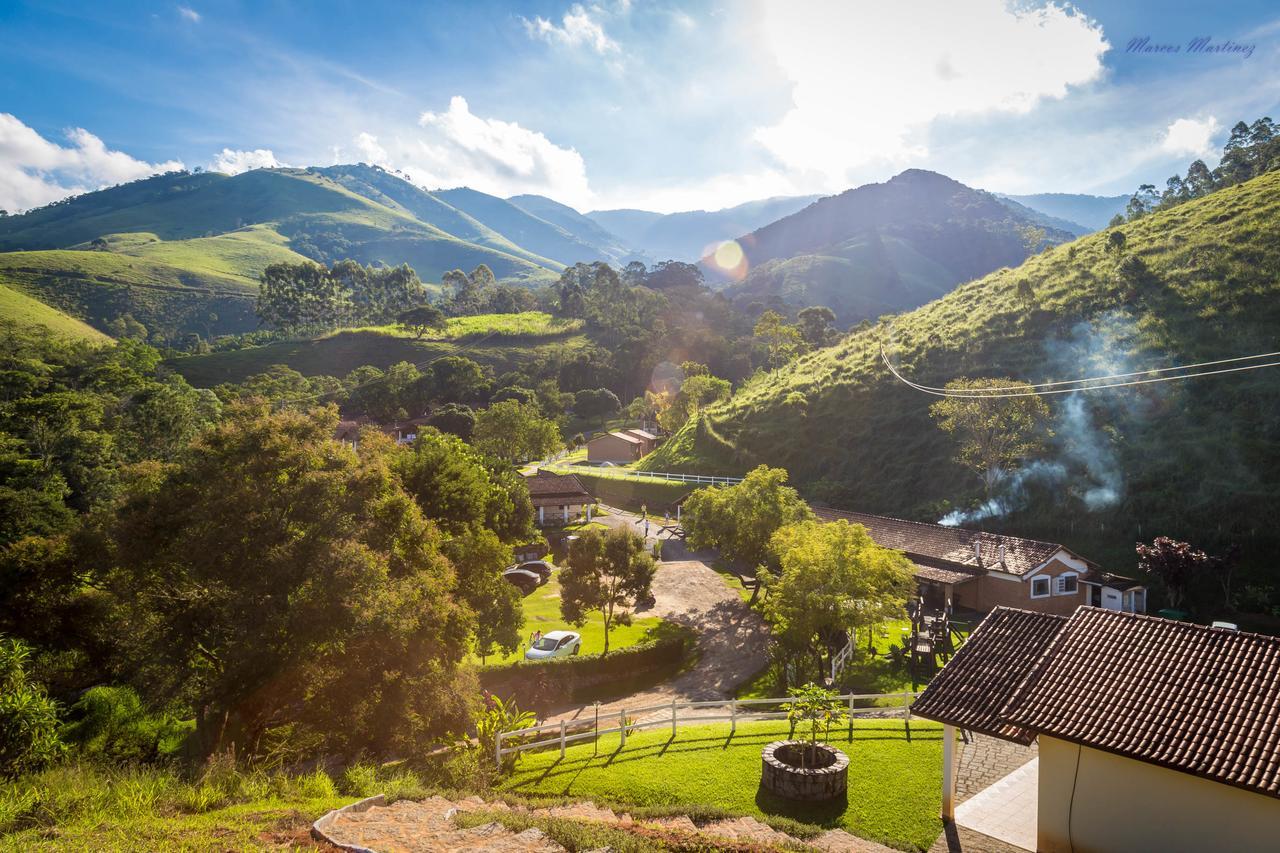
541,685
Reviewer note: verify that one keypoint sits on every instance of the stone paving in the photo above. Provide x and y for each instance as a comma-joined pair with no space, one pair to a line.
981,762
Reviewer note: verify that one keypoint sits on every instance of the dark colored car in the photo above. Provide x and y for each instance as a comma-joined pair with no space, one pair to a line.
523,580
539,567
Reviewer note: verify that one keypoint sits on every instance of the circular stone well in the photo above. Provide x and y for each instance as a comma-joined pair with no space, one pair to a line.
781,772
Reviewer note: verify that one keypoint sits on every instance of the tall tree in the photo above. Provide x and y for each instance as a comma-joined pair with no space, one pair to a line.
740,520
272,576
782,339
515,432
994,434
834,579
605,572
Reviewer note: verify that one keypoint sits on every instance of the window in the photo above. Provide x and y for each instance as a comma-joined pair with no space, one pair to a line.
1039,587
1066,584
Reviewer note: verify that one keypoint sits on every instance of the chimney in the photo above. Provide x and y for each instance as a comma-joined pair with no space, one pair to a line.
1001,552
977,550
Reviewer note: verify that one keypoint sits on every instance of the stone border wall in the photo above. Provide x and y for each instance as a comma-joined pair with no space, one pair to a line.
318,829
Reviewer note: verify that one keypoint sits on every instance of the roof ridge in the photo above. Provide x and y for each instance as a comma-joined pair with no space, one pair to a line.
948,527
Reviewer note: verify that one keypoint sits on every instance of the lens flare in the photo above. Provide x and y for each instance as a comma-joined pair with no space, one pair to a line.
730,260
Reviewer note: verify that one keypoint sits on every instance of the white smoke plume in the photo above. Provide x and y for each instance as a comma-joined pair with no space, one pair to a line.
1084,461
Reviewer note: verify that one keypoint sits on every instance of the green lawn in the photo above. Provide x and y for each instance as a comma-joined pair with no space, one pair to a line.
542,612
26,311
894,782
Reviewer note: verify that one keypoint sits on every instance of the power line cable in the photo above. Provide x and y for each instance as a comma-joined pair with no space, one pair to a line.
975,394
1182,367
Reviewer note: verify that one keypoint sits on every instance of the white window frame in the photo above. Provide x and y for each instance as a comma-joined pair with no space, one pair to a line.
1048,587
1059,584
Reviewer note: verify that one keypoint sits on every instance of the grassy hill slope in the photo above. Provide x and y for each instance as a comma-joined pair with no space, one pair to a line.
1195,459
522,227
99,287
19,308
339,353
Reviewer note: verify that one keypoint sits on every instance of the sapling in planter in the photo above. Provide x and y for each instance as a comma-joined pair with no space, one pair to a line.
819,709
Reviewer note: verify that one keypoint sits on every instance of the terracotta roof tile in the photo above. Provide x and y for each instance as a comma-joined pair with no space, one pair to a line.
544,484
974,686
1202,700
950,544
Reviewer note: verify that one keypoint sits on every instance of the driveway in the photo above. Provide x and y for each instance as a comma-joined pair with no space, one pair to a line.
732,638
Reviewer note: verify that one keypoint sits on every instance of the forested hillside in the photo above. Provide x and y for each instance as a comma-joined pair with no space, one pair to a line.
1192,459
887,247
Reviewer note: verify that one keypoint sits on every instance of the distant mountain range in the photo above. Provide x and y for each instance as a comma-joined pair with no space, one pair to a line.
689,235
1093,212
183,252
888,247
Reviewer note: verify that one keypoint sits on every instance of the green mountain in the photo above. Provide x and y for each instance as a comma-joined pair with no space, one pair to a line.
580,226
1091,211
1194,459
686,236
182,253
535,234
886,247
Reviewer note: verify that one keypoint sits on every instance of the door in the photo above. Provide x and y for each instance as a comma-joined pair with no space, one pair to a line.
1111,599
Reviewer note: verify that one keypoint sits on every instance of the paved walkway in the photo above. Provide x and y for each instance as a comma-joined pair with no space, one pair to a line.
983,762
732,638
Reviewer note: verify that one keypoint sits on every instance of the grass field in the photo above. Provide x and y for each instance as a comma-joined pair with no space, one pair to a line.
25,311
542,612
894,782
616,489
526,325
340,353
241,255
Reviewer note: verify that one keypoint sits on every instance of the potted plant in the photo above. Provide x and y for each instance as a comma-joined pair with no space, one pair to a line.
807,769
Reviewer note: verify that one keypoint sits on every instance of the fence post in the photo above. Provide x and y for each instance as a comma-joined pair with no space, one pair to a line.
622,726
673,718
906,717
596,743
497,750
850,718
733,717
562,725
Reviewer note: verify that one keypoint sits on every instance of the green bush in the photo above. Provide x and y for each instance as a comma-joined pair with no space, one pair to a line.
538,683
28,717
110,723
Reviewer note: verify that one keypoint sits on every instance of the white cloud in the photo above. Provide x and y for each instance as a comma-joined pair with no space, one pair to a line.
35,171
1191,137
578,28
869,78
232,162
458,148
189,14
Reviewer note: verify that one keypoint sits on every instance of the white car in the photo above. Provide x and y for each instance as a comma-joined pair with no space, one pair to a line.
554,644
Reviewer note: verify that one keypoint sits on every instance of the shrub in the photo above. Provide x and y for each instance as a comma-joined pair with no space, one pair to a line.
28,717
110,723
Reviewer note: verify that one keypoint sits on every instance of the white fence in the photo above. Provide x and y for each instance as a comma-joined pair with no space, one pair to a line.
629,720
627,474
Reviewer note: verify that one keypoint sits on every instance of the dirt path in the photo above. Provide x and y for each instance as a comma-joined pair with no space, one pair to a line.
731,636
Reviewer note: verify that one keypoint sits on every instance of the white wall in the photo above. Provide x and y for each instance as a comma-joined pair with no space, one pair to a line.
1126,805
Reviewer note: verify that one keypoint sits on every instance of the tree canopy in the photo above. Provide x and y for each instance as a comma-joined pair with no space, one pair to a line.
605,572
740,520
274,577
994,434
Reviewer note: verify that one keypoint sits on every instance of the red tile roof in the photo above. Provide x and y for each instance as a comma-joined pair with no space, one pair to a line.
1202,700
550,489
974,686
953,545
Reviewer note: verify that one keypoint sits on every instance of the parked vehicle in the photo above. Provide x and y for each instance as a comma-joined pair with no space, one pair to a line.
554,644
539,567
522,579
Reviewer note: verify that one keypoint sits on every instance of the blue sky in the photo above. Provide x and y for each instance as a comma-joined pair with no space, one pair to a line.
649,104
